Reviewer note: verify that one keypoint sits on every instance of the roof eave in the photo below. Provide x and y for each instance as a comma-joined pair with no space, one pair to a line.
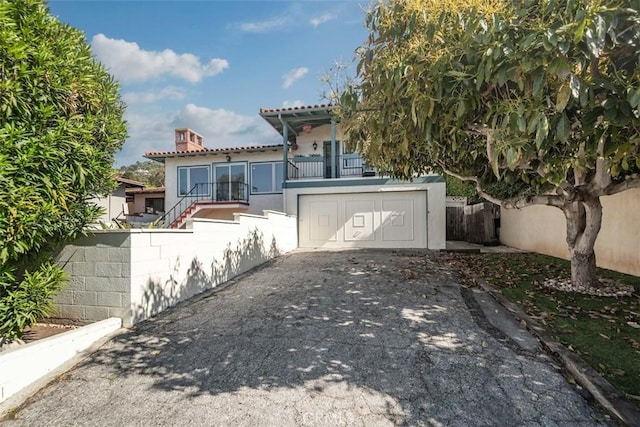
161,156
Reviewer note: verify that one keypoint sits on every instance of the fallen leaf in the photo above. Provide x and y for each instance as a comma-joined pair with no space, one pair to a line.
633,325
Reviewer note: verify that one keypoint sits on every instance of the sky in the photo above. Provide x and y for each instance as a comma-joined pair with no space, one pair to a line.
210,65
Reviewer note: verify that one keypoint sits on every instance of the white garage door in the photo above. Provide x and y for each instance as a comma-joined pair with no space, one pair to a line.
363,220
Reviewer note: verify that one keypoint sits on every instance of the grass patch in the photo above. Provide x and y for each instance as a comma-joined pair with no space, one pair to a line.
602,330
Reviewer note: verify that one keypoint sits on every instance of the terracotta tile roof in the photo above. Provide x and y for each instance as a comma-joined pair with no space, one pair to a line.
297,108
129,181
212,151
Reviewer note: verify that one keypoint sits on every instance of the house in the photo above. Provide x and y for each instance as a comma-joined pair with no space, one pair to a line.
114,205
145,204
339,201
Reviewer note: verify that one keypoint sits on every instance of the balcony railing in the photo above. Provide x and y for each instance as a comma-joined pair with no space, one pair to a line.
314,167
206,192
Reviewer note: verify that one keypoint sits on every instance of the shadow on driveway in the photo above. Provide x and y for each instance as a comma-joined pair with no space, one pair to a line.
316,338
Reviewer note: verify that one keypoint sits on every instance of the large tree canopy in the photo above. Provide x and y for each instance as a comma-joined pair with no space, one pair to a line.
541,94
61,121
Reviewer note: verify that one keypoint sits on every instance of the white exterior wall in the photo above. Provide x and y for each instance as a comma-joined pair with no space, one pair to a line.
319,135
257,202
112,204
137,273
436,196
543,229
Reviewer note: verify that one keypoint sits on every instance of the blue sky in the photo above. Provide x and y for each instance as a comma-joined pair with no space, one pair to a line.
211,65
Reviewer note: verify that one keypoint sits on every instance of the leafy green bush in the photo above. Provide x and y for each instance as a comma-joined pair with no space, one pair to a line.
61,121
24,303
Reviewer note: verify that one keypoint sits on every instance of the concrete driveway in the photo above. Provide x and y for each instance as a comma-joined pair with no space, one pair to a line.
318,338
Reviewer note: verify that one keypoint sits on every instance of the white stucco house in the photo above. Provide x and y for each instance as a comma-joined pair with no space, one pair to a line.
339,202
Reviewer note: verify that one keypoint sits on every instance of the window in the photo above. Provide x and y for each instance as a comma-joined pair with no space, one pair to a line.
190,176
154,205
266,178
181,136
230,182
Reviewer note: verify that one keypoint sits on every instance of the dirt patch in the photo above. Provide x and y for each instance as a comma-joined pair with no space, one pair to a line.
44,330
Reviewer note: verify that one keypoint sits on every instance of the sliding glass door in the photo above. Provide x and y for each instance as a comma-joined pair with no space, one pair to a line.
231,182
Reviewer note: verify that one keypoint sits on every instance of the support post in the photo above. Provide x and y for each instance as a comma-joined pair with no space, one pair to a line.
333,148
285,150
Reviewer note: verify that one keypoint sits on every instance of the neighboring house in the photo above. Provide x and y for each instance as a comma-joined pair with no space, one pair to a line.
145,205
339,201
114,205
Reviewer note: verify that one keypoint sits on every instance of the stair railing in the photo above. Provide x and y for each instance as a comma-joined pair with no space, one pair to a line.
194,195
234,191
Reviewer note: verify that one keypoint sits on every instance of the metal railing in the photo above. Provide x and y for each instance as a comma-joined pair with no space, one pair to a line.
293,170
306,167
234,191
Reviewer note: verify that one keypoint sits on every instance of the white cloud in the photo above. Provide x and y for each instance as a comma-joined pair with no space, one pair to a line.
290,104
293,75
316,21
128,62
264,26
148,97
220,128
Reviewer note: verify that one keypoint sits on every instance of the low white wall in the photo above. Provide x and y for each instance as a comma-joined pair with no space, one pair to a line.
543,229
23,365
161,267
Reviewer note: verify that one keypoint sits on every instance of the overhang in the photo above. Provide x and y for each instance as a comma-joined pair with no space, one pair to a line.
161,155
297,118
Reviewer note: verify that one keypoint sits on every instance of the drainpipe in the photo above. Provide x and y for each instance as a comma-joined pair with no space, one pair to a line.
333,148
285,161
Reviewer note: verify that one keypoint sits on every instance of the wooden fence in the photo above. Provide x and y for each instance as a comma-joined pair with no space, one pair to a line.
474,223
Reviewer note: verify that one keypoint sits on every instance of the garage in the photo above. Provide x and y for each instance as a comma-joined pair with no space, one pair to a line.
395,219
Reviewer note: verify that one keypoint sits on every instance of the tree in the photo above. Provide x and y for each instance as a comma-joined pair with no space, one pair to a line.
61,121
540,94
149,172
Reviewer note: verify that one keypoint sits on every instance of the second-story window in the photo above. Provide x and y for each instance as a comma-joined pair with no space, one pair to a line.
266,178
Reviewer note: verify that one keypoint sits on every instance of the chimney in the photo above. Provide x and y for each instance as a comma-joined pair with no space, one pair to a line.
188,140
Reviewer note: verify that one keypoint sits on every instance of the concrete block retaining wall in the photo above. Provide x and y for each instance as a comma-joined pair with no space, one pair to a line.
134,274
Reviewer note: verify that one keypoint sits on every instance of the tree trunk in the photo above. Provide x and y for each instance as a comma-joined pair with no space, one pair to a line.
583,225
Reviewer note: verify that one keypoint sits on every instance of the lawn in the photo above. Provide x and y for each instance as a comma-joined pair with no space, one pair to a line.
604,331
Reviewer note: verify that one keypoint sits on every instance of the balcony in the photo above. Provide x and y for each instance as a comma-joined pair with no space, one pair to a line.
319,167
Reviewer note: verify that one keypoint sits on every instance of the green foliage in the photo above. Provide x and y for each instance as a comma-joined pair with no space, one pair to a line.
61,121
457,187
527,93
24,303
150,173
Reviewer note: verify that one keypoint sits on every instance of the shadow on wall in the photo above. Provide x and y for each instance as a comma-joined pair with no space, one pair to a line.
246,254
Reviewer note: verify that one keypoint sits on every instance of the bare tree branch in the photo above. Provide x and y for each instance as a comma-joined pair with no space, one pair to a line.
602,178
619,187
547,199
579,174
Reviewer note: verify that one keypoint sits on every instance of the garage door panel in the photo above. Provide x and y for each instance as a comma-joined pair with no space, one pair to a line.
323,221
359,224
367,220
397,220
